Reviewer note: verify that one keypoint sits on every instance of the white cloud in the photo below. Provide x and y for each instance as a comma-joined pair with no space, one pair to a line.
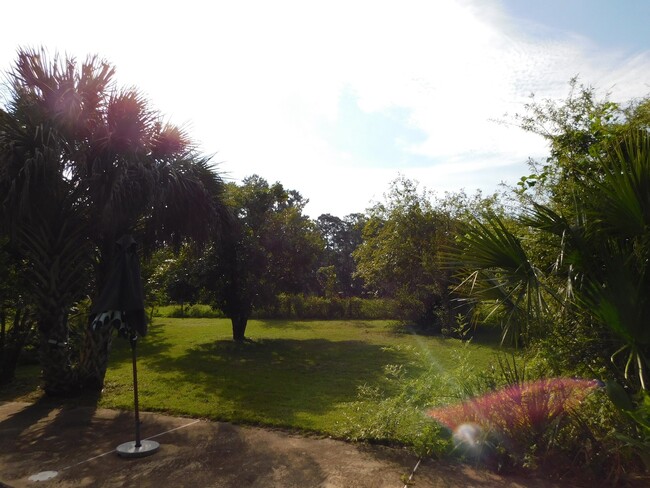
254,80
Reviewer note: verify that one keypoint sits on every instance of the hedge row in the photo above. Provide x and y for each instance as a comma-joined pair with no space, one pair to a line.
300,307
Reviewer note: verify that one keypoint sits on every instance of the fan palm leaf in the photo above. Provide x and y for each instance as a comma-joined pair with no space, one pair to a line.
502,273
617,285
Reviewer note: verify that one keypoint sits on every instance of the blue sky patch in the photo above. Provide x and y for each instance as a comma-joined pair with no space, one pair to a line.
378,139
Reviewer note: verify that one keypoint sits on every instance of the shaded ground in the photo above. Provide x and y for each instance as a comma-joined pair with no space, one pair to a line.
78,444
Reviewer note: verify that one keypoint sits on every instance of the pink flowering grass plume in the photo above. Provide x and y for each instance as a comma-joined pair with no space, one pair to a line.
518,415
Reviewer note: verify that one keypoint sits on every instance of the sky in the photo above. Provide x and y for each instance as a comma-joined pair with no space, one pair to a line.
336,99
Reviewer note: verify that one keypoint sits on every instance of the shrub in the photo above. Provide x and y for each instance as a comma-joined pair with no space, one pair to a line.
301,307
521,417
193,311
378,308
397,410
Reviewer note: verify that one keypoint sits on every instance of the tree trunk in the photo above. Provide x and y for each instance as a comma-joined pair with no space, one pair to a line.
239,323
59,378
94,353
94,357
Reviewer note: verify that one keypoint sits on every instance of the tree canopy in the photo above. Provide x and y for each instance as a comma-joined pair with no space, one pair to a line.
569,272
400,255
82,162
270,248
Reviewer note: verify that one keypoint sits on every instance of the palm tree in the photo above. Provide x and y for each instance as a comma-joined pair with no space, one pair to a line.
87,162
601,272
42,223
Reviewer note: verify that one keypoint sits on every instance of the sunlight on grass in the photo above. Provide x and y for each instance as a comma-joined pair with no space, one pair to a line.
294,374
352,379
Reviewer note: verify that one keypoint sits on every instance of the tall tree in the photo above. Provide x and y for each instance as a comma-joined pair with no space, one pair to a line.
84,162
401,252
578,130
342,237
270,248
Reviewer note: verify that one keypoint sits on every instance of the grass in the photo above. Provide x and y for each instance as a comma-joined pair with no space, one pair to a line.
295,374
299,375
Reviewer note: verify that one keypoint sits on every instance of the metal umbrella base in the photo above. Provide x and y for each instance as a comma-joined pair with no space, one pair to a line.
129,449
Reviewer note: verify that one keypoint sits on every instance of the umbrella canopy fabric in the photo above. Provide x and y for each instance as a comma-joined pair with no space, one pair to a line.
121,301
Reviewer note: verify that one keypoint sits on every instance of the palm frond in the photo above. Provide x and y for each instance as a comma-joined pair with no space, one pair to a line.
500,272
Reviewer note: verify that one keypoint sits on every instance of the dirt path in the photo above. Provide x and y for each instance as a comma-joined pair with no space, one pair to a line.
76,445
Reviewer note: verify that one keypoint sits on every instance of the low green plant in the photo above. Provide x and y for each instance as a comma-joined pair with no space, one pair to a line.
396,408
196,311
637,409
598,442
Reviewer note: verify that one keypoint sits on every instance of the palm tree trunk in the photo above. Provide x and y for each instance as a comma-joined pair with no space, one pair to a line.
94,357
96,347
59,377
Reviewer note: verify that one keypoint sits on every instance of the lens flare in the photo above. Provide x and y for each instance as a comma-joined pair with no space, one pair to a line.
528,406
468,437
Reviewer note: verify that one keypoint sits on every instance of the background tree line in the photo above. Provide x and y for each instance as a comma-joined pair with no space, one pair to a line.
558,263
274,258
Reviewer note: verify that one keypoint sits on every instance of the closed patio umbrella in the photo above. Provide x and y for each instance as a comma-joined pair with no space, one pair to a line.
121,305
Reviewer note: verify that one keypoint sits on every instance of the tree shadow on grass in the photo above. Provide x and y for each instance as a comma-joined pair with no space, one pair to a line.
275,381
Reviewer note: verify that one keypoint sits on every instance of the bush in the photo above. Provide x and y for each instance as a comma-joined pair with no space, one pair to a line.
562,427
193,311
301,307
397,410
505,417
378,309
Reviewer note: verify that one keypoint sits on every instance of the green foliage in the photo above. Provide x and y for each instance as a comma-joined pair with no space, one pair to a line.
637,439
180,281
196,311
341,237
16,313
270,248
311,307
578,130
598,283
607,444
298,307
496,268
81,163
400,254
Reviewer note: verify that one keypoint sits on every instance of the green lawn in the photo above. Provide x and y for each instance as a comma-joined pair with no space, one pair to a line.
303,375
294,374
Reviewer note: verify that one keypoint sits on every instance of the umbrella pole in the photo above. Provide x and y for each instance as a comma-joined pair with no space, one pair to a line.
138,448
134,340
